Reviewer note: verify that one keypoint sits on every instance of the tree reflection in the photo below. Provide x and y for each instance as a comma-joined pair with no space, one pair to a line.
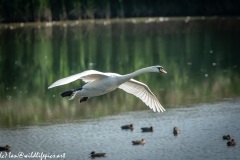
201,59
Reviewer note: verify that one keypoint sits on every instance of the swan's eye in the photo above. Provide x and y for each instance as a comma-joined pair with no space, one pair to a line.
162,70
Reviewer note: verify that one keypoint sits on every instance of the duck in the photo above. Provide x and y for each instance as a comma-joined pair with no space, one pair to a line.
128,127
142,142
231,143
93,154
227,137
176,131
147,129
99,83
6,148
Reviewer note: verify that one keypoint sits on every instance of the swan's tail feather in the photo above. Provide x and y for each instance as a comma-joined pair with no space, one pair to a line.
67,93
73,95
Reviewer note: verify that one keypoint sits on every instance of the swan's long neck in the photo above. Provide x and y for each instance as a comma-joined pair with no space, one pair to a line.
136,73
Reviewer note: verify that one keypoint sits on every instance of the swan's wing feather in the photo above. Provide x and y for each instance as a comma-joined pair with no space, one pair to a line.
97,76
86,76
142,91
92,77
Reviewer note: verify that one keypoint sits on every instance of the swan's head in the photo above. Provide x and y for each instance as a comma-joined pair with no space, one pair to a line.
160,69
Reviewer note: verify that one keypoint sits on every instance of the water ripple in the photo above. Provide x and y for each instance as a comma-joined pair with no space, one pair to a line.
202,127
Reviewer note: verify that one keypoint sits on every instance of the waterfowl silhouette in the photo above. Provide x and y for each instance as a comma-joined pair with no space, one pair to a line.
93,154
147,129
6,148
128,127
142,142
99,83
231,143
227,137
176,131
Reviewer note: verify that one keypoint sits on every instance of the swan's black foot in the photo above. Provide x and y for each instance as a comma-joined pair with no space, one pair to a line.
83,99
69,92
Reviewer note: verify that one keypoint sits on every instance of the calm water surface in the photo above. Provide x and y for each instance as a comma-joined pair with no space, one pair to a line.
200,91
202,127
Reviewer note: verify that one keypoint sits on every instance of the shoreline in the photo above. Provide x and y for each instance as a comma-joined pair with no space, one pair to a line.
114,20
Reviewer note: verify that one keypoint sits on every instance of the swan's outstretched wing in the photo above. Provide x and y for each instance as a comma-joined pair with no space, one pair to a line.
86,76
142,91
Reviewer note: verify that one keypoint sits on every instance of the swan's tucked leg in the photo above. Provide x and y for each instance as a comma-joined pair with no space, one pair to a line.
69,92
83,99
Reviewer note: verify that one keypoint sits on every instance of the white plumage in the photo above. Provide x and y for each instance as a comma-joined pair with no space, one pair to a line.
99,83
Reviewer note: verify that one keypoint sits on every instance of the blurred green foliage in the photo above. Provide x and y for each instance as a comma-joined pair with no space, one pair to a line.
55,10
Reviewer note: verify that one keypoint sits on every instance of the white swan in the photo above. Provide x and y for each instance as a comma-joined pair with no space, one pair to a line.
99,83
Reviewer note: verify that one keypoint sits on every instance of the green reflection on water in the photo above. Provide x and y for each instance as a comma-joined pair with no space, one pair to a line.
201,58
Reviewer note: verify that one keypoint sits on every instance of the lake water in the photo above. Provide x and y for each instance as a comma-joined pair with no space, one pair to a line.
202,127
200,92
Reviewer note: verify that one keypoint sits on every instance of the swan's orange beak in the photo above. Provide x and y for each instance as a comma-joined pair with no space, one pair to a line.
162,70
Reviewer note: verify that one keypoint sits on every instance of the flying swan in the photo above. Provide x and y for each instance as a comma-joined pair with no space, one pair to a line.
99,83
